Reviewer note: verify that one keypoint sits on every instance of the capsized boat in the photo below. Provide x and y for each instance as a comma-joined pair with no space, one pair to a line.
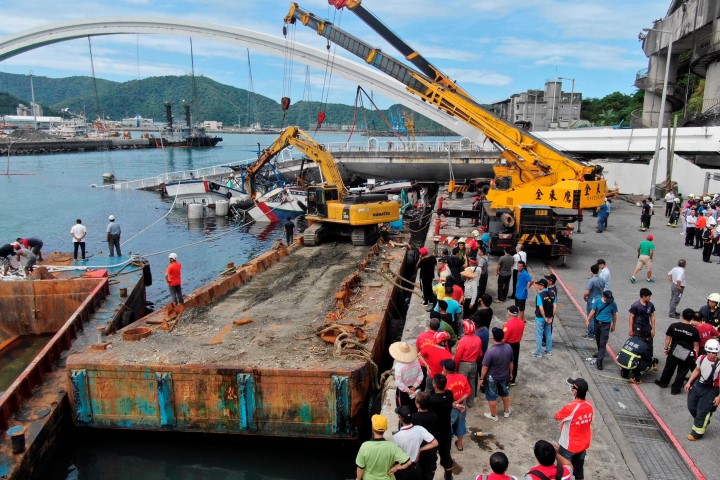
202,191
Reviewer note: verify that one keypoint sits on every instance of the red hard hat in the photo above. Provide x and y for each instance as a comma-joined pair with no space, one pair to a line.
468,327
423,251
442,337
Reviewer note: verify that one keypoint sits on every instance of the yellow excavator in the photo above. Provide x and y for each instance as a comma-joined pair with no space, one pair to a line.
330,209
537,192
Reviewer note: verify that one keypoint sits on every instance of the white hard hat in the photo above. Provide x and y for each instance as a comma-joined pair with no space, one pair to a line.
111,218
173,256
711,222
712,346
714,297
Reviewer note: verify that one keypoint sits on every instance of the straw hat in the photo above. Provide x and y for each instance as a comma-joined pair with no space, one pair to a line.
403,352
468,273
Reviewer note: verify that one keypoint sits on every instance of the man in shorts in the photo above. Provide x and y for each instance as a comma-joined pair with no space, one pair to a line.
497,368
645,252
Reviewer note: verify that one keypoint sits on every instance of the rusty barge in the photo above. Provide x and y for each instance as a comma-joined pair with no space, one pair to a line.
245,355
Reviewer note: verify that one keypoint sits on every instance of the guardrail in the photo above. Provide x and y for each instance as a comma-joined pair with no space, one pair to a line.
370,145
32,376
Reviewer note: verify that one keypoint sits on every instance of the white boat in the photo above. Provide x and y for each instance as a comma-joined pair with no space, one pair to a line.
73,128
278,204
202,191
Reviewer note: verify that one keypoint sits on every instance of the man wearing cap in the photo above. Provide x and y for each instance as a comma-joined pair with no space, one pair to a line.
544,315
524,282
645,252
575,433
514,329
378,459
676,276
469,350
407,372
113,236
78,233
497,368
426,266
645,212
433,355
604,272
707,241
173,277
410,438
604,313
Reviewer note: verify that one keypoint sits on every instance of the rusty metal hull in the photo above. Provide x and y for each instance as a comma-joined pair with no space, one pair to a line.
325,398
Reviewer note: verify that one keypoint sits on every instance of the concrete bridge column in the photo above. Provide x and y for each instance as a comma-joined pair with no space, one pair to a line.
711,98
654,88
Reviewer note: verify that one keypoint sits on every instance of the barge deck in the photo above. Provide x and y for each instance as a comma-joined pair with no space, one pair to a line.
245,356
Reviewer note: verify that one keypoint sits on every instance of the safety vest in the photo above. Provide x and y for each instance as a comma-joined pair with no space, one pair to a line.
627,359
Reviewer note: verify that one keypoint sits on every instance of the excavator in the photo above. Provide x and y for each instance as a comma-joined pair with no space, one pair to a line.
330,209
538,191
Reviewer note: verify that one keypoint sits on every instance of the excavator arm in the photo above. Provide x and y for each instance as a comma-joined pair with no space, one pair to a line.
295,137
530,163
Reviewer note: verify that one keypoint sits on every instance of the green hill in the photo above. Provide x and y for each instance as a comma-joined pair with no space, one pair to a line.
215,101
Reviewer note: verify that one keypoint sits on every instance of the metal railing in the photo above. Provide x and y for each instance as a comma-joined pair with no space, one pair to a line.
370,145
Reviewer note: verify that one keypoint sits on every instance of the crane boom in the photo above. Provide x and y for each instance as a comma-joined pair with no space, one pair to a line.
295,137
537,170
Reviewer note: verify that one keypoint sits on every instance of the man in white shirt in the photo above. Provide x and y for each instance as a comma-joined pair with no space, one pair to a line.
690,222
604,272
78,233
669,200
676,276
410,439
520,255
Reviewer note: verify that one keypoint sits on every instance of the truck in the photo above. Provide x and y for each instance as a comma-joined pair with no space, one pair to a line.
538,191
331,210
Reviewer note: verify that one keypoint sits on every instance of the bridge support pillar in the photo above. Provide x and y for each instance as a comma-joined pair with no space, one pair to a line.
653,91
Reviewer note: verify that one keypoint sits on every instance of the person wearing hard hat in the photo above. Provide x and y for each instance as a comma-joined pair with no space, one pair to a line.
113,236
703,389
710,312
173,277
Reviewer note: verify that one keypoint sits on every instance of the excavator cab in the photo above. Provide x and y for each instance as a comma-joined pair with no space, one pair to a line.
319,197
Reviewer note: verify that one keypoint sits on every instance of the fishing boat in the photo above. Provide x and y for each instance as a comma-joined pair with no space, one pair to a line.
279,204
179,135
202,191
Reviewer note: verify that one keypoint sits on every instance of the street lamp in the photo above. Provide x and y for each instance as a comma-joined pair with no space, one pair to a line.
661,115
572,94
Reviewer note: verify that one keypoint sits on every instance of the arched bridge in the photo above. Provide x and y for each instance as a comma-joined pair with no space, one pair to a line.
353,71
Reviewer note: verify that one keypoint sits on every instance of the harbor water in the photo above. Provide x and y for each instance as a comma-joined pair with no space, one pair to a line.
44,194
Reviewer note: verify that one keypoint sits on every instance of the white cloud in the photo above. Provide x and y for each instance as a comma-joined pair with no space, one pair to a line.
478,77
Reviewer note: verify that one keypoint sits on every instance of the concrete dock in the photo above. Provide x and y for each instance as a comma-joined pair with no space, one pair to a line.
638,431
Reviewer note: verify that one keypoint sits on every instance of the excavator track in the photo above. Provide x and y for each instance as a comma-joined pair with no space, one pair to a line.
312,235
361,236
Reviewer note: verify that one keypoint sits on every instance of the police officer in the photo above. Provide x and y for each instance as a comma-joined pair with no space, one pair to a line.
704,390
635,358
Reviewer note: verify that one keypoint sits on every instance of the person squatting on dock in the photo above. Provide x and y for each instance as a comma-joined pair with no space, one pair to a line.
173,277
113,237
30,258
6,251
78,233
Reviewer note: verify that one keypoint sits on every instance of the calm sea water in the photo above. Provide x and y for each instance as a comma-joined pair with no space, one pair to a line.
42,198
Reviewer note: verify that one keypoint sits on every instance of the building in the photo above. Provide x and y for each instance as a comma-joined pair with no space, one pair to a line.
28,121
690,26
137,122
213,125
541,110
35,109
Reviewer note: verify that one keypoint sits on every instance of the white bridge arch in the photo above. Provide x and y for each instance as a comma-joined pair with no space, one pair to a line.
357,72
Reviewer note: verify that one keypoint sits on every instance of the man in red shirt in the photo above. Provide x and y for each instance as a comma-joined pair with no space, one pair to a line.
514,330
427,338
705,330
469,349
575,434
433,355
173,277
457,383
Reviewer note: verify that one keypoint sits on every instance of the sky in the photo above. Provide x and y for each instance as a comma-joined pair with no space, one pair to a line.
492,48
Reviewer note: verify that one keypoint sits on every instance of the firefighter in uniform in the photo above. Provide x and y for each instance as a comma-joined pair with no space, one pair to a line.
704,394
674,214
635,358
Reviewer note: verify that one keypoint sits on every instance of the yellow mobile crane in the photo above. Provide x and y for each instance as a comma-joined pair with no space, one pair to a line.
330,210
538,191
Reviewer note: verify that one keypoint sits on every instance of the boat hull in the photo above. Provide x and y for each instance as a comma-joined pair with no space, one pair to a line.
201,191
